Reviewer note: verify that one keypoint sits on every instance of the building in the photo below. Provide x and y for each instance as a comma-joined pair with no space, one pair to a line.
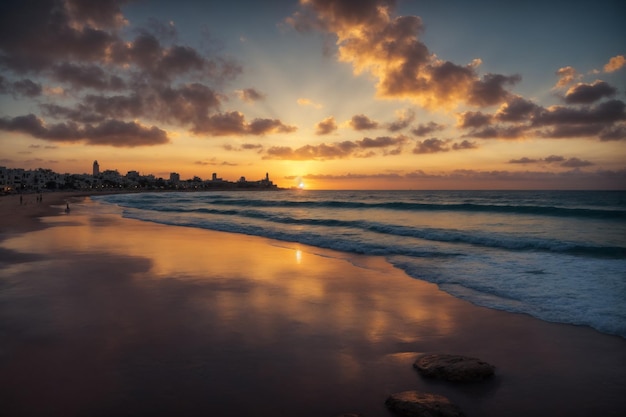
96,169
174,177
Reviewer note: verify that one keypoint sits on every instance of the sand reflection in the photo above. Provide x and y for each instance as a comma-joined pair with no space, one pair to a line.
212,316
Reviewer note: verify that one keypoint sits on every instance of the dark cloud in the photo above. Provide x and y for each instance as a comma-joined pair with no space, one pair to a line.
403,121
576,163
308,152
136,74
567,163
490,90
339,150
124,134
472,119
362,122
606,112
617,132
234,123
250,95
588,93
520,118
427,129
554,158
101,13
498,132
326,126
516,109
458,146
86,76
110,132
35,35
381,142
388,47
432,145
524,160
26,88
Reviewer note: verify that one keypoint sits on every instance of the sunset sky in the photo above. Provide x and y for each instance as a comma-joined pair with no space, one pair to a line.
353,94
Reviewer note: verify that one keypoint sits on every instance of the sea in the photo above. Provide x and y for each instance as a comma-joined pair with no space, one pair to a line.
559,256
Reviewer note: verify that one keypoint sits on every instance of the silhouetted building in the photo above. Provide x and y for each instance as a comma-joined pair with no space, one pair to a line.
96,169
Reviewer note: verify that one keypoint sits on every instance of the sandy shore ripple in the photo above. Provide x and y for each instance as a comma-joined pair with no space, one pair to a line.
105,316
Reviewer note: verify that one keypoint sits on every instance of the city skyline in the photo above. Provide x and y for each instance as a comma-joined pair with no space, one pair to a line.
375,94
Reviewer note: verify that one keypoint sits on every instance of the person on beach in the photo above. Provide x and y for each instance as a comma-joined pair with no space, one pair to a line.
67,207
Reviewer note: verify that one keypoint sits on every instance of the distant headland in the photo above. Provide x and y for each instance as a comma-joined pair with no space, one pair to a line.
18,180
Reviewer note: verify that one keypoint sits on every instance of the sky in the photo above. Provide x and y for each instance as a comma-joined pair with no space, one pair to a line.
343,94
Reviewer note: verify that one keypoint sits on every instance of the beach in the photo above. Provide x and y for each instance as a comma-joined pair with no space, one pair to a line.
106,316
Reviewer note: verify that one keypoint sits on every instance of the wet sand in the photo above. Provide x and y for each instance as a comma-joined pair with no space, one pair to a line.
105,316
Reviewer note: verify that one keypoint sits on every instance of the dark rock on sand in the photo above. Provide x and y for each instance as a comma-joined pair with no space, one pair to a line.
453,367
421,404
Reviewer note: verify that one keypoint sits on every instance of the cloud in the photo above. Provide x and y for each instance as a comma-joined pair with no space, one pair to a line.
617,132
432,145
606,112
374,41
607,179
566,76
576,163
567,163
234,123
83,50
615,63
427,129
554,158
520,118
498,132
326,126
307,102
362,122
458,146
516,109
404,119
24,87
110,132
86,76
339,150
588,93
472,119
524,160
250,95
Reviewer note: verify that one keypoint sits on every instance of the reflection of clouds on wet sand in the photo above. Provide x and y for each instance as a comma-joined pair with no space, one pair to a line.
129,307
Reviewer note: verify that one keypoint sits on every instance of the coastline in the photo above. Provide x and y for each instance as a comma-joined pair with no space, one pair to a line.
128,317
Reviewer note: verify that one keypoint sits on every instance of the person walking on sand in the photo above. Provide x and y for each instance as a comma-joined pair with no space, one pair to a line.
67,207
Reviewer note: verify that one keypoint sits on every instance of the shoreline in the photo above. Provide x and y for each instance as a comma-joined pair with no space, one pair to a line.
285,326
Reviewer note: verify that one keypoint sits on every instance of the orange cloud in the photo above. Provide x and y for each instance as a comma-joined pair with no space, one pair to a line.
389,48
307,102
615,63
566,76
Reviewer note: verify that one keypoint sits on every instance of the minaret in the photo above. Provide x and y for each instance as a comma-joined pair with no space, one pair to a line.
96,169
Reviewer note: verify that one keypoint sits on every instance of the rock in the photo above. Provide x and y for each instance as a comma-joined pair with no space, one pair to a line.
421,404
453,367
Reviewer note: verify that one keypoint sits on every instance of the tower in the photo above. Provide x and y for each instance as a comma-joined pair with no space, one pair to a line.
96,169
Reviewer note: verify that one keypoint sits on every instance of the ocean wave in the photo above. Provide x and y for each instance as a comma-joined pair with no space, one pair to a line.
415,207
489,240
